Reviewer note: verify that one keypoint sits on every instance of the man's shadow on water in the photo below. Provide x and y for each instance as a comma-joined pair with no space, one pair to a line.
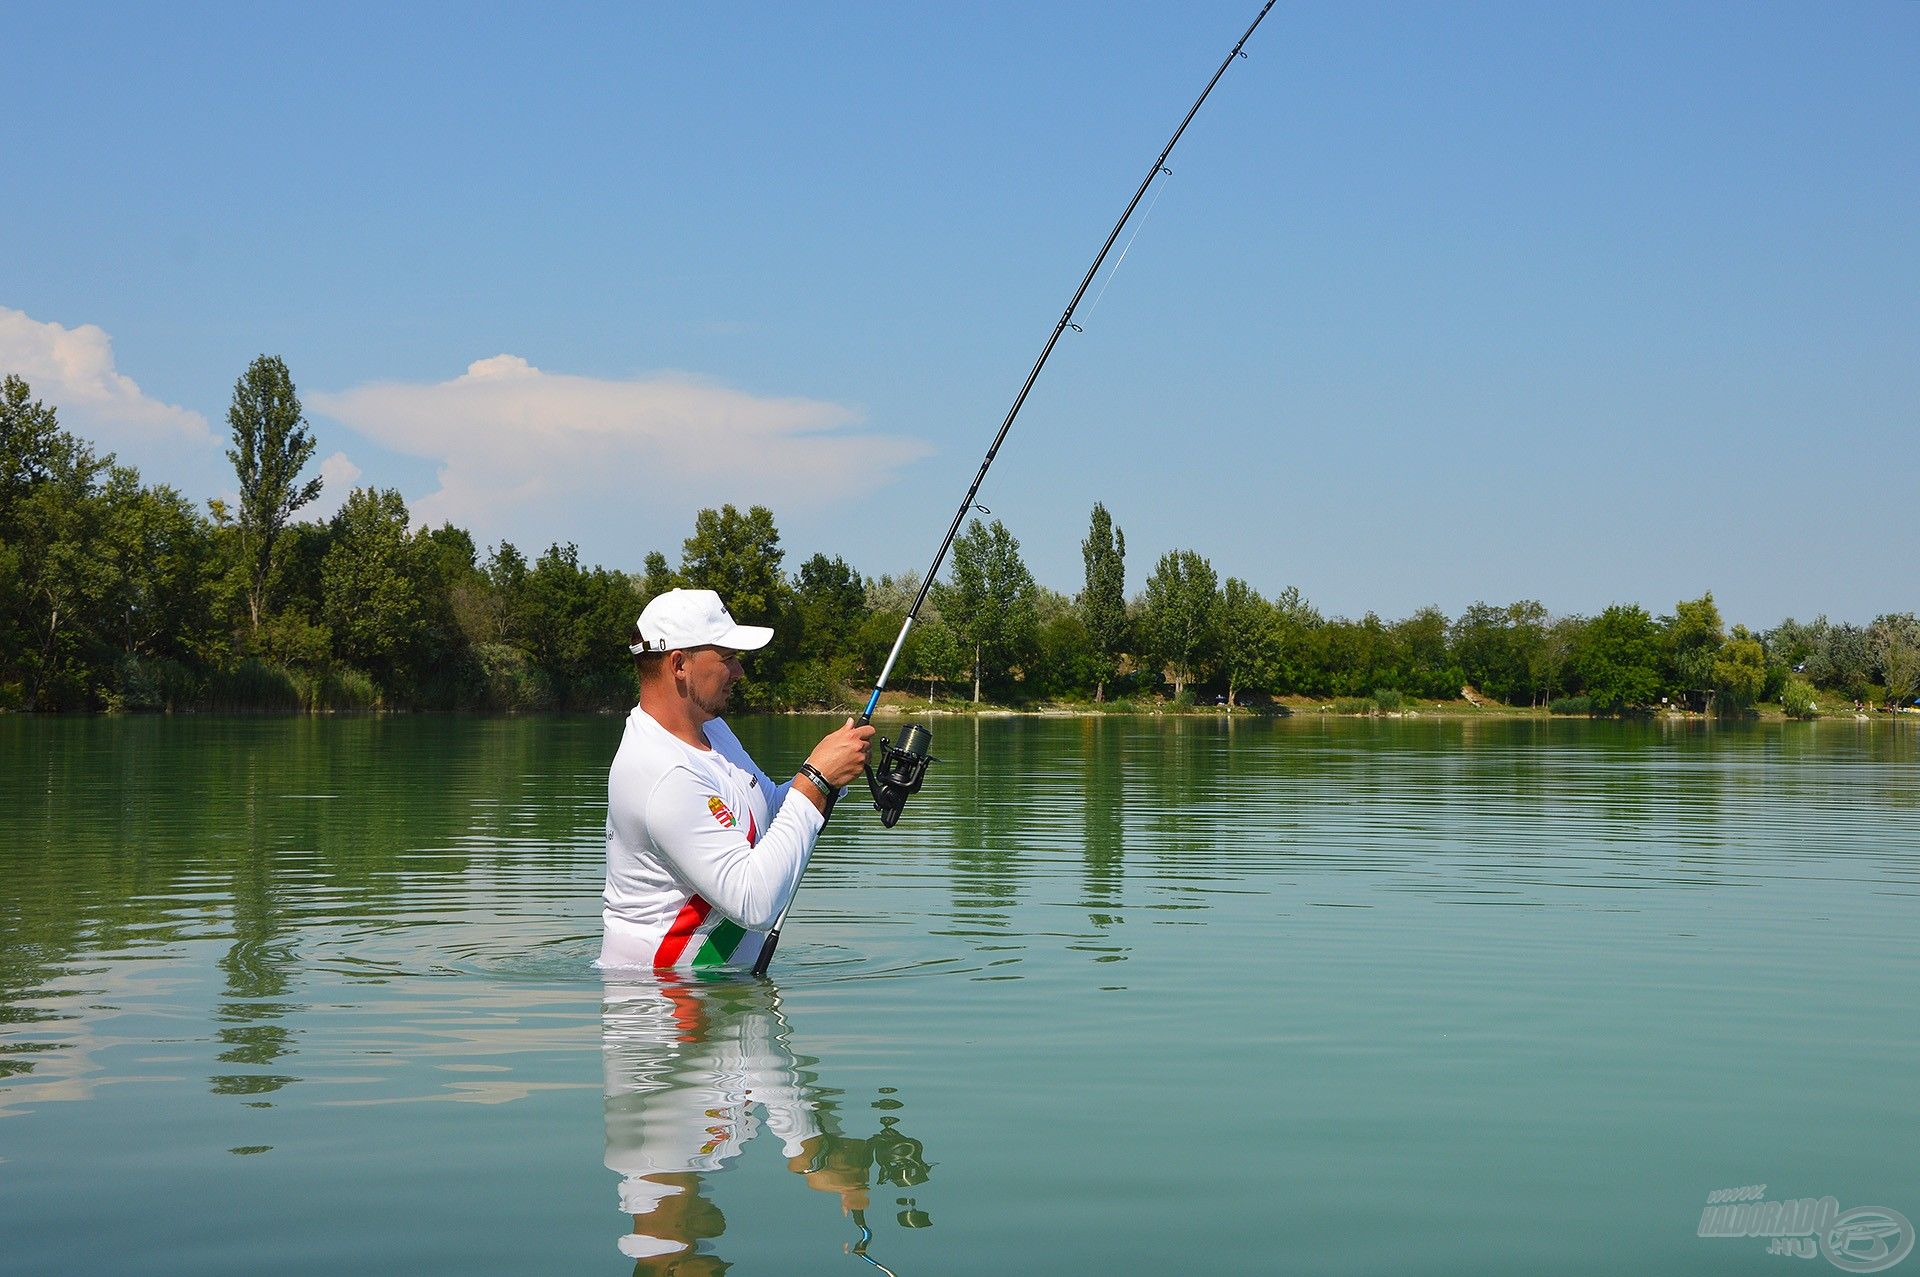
694,1069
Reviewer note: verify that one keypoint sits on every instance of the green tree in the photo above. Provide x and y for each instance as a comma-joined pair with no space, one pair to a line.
895,594
1294,627
52,520
1249,647
655,579
1180,615
1551,660
1103,601
571,622
296,586
1693,637
1739,672
1794,643
157,551
465,584
1844,661
829,601
455,557
1895,642
738,557
1421,664
506,572
933,652
376,582
1619,659
989,601
270,447
828,608
1498,649
32,448
1355,657
1064,663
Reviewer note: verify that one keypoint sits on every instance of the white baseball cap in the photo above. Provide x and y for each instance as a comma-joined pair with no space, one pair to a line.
694,618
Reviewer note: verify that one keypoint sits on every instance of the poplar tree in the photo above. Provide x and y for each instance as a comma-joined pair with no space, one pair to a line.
270,446
1103,603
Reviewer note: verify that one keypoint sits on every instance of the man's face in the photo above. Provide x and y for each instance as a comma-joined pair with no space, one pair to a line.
711,673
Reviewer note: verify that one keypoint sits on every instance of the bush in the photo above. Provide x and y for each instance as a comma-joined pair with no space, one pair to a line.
1570,705
344,688
603,690
459,683
1796,698
1355,705
511,680
150,684
255,686
1386,698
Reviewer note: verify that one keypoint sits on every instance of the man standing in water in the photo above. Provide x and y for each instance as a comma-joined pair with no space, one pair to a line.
703,850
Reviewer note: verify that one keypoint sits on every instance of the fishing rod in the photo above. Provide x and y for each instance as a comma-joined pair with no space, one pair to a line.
903,764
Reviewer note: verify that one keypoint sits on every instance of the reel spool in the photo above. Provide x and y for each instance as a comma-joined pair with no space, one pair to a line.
902,770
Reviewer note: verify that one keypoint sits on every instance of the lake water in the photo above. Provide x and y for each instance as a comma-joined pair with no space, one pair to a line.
1117,995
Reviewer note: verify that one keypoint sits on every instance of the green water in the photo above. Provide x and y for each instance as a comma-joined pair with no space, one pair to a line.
1407,996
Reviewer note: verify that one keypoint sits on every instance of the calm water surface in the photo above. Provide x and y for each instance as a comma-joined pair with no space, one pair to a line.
1116,995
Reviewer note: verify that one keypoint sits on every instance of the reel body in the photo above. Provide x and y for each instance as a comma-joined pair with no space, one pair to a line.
901,772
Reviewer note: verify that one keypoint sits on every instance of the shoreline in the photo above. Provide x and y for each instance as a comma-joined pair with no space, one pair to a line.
903,706
1302,707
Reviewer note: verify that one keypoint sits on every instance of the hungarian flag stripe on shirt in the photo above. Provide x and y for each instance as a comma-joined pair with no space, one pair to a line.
723,937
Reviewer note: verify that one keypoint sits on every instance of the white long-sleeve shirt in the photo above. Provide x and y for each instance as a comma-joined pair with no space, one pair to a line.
703,851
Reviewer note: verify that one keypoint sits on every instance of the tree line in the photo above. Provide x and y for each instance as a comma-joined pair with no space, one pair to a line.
121,595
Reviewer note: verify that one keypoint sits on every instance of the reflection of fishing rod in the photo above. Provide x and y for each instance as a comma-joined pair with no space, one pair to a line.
866,1239
903,765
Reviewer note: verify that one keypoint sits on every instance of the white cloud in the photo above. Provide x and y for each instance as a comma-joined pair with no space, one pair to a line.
550,448
337,475
72,369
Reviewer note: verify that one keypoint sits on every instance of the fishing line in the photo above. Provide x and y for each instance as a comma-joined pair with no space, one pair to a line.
902,767
1127,247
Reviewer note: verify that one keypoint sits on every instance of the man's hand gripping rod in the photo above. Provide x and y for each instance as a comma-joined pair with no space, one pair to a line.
903,765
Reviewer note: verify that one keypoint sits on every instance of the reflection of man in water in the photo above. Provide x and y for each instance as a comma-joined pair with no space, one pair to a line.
693,1070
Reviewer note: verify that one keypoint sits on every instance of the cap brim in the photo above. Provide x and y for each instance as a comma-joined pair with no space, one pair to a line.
746,638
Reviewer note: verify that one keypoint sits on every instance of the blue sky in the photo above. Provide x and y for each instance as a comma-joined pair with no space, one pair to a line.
1587,304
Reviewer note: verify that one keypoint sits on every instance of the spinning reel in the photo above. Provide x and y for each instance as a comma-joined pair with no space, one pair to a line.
902,770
